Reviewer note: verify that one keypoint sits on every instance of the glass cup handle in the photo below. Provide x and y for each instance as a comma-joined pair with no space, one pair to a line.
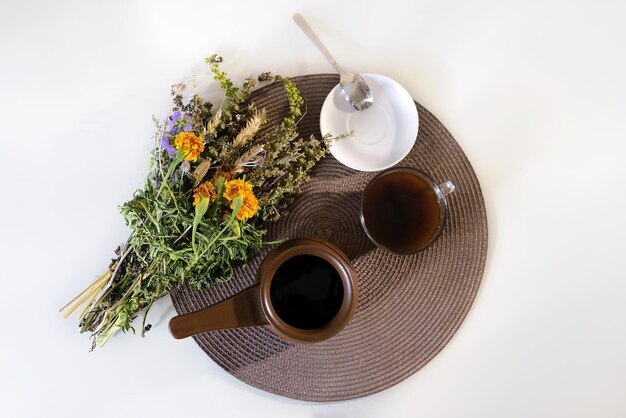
447,187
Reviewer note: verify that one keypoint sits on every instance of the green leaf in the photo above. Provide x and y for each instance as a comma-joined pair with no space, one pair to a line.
237,203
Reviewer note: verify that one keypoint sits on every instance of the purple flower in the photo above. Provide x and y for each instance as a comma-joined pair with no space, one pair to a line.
174,123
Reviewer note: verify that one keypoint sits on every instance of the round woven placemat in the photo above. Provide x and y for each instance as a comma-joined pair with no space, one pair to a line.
409,307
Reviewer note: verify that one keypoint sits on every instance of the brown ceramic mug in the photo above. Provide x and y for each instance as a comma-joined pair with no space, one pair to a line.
306,291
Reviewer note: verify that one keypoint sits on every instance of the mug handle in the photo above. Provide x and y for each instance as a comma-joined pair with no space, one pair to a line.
240,310
447,187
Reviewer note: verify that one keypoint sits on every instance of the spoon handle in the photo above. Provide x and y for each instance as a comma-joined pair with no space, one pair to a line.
297,17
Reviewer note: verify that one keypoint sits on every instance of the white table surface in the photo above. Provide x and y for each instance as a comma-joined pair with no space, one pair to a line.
534,92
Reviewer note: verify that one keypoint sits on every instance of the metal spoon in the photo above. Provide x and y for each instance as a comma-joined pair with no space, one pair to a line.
351,86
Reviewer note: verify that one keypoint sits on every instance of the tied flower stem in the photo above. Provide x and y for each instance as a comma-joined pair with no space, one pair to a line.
109,282
203,195
109,329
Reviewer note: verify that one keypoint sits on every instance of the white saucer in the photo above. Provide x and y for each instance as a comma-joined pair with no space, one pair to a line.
383,134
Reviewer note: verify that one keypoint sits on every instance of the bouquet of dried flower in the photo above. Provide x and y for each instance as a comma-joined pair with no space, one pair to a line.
214,182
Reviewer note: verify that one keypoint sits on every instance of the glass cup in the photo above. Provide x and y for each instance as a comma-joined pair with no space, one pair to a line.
403,210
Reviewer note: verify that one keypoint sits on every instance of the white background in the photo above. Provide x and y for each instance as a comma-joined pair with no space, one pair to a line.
534,91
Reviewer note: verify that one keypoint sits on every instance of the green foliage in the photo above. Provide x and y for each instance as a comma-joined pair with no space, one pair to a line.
173,242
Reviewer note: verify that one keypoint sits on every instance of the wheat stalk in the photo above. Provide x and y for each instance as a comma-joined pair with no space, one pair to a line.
215,120
247,133
250,158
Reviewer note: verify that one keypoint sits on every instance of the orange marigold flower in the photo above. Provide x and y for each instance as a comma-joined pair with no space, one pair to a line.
242,188
249,207
236,188
190,144
206,190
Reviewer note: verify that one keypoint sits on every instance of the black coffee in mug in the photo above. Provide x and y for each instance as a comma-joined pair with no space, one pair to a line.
306,292
402,211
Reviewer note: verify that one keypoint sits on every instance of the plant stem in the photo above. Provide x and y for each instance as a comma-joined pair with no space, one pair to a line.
183,234
88,305
145,315
94,290
169,172
154,221
83,292
173,198
216,237
278,241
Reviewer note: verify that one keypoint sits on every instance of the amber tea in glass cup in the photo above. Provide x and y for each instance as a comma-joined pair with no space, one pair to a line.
403,210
